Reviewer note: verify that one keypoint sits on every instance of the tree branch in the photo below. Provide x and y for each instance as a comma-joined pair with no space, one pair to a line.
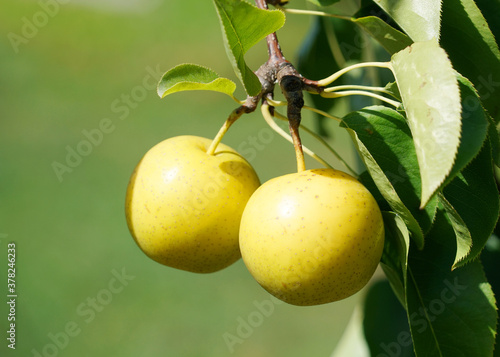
278,70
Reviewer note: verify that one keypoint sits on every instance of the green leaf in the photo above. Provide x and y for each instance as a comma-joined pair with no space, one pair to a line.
451,313
393,90
420,19
474,127
381,308
243,25
186,77
323,2
464,238
390,38
491,11
386,146
431,97
473,194
395,255
471,46
494,137
490,258
474,131
368,182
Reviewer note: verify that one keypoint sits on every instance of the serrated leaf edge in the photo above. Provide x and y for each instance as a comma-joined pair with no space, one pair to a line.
452,216
232,58
434,188
409,220
449,178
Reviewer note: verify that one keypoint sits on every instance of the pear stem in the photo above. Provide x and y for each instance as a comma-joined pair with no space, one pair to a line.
346,93
322,141
312,12
268,117
297,144
336,75
323,113
235,114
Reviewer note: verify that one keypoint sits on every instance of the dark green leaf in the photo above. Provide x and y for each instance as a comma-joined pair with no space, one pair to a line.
370,8
393,90
385,324
243,25
491,11
474,127
472,48
386,146
420,19
390,38
474,196
193,77
395,256
451,313
464,238
431,97
368,182
490,258
494,137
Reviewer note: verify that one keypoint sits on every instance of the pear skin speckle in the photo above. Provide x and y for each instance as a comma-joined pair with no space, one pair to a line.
183,207
313,237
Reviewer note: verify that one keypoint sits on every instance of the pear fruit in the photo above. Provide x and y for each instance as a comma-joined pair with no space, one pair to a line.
183,206
312,237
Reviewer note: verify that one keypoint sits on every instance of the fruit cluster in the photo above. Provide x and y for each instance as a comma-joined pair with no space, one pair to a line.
308,238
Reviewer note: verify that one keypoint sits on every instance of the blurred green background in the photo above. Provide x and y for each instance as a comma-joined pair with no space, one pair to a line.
78,65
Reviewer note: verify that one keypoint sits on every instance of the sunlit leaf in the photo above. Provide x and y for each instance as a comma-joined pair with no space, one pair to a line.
462,232
187,77
386,146
474,127
243,25
420,19
491,11
431,98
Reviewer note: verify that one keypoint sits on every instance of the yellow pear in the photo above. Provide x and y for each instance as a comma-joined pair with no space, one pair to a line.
312,237
183,206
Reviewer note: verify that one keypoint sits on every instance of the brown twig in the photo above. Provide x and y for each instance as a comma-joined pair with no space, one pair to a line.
277,70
